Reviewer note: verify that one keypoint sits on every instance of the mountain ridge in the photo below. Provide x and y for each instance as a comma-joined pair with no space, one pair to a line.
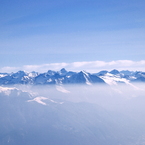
63,76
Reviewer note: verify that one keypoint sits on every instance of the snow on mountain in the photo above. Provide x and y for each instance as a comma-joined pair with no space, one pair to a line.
77,78
33,74
29,95
3,75
35,112
83,77
62,89
62,71
19,77
139,77
16,91
87,77
127,72
51,73
51,77
86,114
112,79
115,79
39,100
68,77
42,79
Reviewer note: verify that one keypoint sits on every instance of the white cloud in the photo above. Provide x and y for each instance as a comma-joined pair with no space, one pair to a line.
9,69
90,66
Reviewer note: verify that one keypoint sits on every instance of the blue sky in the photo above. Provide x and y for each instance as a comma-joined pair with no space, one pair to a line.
52,31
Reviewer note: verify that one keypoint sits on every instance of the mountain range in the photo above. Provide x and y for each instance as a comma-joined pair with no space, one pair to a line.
46,111
69,77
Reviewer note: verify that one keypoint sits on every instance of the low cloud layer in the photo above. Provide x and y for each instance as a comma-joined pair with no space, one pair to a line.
90,66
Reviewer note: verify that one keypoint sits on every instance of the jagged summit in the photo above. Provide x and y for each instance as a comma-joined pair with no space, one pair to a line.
101,73
114,71
62,71
68,77
50,72
127,72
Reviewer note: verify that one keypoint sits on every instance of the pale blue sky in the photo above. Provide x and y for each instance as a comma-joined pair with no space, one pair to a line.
55,31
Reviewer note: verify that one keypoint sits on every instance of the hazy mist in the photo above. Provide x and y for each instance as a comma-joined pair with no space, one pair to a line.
73,114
